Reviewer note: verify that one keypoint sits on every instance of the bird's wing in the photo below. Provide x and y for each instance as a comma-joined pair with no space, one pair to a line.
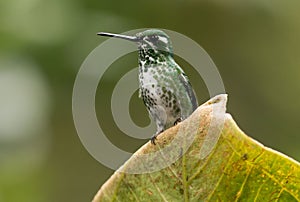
188,87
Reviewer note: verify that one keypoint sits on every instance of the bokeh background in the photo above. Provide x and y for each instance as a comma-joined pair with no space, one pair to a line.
254,43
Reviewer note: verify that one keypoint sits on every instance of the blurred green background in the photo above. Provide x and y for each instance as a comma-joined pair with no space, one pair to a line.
254,43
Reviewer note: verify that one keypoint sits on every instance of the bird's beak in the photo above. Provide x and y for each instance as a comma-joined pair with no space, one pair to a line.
129,38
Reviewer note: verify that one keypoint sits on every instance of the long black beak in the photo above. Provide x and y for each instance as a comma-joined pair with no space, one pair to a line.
129,38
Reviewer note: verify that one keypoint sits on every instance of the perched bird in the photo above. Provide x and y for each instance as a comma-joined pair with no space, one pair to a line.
163,85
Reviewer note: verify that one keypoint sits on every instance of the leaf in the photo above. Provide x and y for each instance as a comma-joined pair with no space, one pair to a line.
237,169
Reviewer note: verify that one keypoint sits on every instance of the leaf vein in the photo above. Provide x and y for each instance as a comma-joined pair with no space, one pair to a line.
158,190
184,180
134,195
243,184
260,187
169,167
264,171
200,168
278,196
220,179
114,197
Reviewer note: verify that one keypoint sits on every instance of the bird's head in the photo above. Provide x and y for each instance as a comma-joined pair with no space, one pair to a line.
152,41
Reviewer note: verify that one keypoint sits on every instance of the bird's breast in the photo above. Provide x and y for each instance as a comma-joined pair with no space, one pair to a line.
159,87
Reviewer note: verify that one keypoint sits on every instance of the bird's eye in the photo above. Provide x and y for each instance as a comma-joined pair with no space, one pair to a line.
153,38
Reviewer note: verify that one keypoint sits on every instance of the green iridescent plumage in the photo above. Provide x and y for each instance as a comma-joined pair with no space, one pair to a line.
164,87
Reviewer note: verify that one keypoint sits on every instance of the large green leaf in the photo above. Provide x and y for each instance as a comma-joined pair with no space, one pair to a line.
237,169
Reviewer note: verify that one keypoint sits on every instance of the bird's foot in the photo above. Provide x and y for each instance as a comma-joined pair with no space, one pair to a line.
177,121
153,138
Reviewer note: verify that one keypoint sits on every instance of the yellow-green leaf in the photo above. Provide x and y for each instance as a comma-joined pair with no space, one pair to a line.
237,169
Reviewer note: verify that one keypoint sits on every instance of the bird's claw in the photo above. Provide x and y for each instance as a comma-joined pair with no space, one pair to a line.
153,138
177,121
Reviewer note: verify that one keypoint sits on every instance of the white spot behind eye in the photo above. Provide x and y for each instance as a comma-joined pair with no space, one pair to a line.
163,39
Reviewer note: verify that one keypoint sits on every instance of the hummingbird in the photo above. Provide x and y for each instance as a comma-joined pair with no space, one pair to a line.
163,86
